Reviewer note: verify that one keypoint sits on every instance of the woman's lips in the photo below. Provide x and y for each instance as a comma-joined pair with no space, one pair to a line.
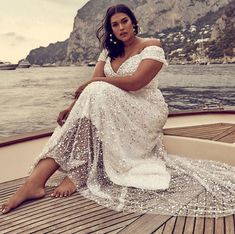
123,34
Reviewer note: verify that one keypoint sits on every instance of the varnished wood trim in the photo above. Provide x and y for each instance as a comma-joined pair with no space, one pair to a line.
5,141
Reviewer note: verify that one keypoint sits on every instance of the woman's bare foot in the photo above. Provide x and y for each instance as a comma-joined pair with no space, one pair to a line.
65,189
29,190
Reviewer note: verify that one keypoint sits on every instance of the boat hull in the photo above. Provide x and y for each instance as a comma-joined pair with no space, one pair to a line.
24,66
26,148
9,67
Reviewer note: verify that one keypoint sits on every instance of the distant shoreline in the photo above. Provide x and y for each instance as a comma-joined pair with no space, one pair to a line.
212,62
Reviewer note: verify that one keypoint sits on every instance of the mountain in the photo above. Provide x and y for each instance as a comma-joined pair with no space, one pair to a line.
55,53
186,28
223,34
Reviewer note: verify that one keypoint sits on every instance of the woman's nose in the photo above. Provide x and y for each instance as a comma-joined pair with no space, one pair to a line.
121,26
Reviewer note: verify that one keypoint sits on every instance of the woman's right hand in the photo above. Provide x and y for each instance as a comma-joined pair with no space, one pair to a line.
63,115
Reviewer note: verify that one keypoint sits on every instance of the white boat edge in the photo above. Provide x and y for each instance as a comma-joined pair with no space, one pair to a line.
17,157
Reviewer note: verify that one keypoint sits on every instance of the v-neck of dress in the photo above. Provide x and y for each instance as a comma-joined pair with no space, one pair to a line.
116,72
125,61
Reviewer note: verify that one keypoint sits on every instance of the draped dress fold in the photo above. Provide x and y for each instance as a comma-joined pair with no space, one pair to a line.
111,147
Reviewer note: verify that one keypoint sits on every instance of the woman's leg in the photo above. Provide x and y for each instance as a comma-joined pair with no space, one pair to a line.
34,186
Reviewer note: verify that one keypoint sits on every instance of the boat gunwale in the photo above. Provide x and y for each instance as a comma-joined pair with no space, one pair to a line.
24,137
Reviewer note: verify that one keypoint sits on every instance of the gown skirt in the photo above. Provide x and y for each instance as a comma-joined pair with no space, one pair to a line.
111,147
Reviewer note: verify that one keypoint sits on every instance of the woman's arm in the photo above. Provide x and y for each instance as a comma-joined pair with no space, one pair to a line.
146,71
99,69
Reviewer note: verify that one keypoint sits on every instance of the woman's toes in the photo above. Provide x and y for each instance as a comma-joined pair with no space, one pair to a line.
60,193
65,194
4,209
65,189
55,193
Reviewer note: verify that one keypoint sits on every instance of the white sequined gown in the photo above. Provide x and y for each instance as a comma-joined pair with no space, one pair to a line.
112,139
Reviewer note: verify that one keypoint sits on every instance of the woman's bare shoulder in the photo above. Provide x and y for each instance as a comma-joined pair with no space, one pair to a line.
151,42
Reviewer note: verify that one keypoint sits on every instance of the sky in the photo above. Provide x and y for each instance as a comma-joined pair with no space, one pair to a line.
29,24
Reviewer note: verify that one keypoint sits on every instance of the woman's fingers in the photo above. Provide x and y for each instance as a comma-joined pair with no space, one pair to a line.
62,117
58,119
77,93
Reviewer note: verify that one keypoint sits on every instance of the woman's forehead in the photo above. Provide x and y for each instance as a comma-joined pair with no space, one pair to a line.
118,17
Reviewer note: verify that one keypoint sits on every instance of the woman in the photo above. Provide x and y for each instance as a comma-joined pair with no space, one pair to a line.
110,147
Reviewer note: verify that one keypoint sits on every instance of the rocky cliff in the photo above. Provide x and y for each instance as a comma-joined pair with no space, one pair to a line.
223,34
55,53
180,24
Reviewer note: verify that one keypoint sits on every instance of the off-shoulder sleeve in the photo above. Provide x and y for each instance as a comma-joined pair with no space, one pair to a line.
154,52
103,56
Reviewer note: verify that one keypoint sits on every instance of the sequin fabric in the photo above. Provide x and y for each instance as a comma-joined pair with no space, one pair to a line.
111,148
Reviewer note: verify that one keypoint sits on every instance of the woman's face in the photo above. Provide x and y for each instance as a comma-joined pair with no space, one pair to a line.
122,26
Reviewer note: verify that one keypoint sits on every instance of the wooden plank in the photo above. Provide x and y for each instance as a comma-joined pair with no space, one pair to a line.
5,194
209,131
200,128
200,135
229,224
26,205
230,138
114,231
12,183
102,223
160,229
180,223
209,225
73,220
147,223
44,216
118,226
169,226
189,225
49,221
81,223
32,209
190,132
219,226
225,133
46,209
199,225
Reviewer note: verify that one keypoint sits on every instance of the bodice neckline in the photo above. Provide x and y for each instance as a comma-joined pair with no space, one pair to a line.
122,64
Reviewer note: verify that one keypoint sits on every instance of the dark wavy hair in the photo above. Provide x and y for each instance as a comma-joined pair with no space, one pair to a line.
104,31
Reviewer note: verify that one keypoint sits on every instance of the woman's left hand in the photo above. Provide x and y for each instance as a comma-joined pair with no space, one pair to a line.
78,92
80,89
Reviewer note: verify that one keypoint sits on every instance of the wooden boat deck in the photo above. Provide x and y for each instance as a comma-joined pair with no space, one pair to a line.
223,132
77,214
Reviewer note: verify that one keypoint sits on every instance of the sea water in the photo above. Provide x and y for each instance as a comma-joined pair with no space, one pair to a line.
31,99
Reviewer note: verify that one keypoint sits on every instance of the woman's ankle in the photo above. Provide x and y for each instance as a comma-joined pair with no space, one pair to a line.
35,182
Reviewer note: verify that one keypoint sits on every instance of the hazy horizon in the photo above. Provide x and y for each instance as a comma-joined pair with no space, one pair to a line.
26,25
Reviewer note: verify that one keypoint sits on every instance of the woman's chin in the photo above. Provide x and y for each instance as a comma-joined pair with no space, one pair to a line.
125,39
